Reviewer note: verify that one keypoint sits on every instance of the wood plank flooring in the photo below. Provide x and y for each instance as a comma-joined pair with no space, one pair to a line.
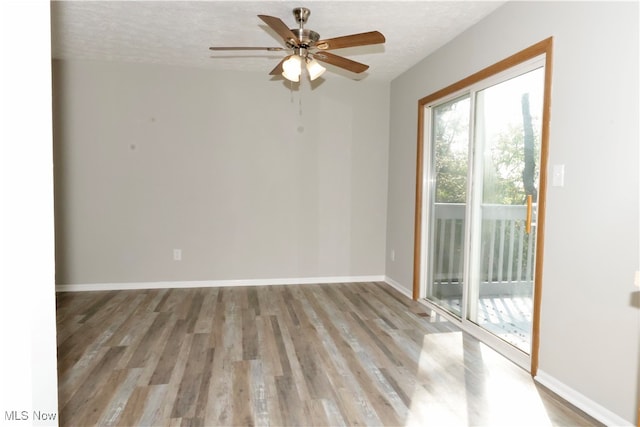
304,355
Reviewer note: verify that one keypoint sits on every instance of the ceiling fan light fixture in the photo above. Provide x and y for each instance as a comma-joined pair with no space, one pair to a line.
315,69
292,68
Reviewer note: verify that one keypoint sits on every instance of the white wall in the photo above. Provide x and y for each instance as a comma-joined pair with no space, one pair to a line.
590,331
28,379
221,165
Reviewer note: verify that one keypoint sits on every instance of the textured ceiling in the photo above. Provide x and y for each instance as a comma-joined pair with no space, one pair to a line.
180,32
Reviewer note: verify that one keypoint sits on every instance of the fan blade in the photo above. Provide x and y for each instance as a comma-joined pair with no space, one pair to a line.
269,49
280,27
278,70
362,39
340,61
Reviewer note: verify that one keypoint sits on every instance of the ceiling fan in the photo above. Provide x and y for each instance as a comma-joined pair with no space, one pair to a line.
308,49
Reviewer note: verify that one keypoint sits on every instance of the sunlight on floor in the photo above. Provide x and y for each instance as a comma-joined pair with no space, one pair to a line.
463,382
435,406
511,393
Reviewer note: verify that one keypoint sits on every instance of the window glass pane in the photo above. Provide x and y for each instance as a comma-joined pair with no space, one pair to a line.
449,165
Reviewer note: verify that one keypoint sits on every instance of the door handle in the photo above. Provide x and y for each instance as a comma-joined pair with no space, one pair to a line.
527,226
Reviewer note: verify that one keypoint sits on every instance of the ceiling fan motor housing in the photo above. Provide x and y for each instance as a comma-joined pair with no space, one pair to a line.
307,37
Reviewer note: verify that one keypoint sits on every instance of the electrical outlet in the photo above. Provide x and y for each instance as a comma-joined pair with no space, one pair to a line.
177,254
393,255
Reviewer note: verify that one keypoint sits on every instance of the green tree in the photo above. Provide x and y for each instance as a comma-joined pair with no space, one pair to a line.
513,155
511,171
529,140
451,137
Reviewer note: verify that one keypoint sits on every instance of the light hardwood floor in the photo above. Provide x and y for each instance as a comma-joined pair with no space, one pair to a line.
339,354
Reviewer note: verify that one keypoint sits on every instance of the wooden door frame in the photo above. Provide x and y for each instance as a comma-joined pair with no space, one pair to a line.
544,47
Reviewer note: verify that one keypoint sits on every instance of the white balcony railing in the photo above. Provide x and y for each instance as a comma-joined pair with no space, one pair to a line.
506,251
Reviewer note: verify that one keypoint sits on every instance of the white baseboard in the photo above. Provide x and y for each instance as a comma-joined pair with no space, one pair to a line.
398,287
581,401
214,283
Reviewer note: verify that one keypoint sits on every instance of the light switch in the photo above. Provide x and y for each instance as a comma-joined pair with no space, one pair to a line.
558,176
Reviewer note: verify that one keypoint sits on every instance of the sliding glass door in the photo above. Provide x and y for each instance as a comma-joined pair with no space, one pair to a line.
483,174
507,172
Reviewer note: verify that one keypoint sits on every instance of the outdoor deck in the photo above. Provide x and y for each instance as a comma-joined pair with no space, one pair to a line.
509,318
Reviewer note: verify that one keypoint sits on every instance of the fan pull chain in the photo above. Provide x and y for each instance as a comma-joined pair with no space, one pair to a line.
291,90
300,103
